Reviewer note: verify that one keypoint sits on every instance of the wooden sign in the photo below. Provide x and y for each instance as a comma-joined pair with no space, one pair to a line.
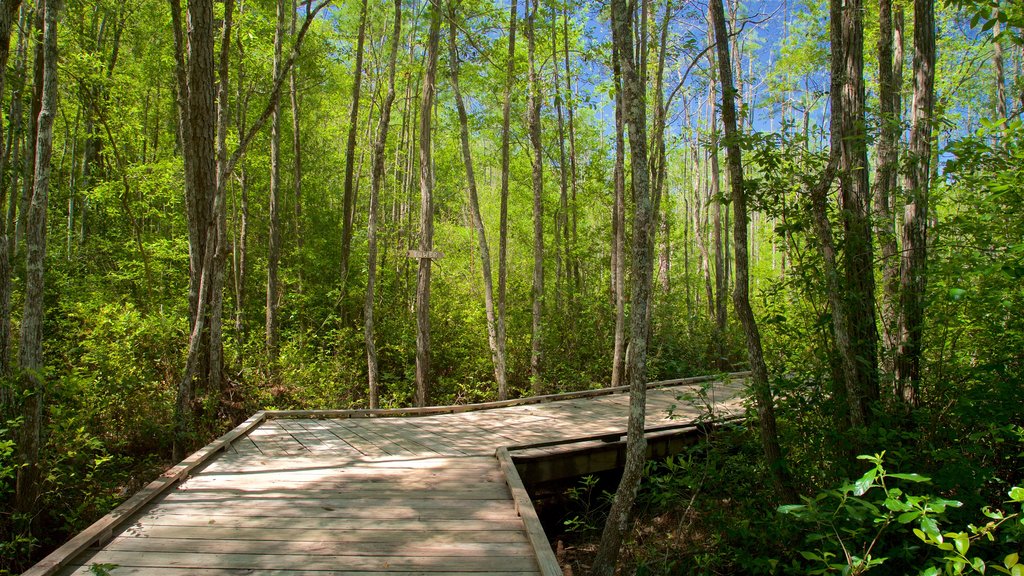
432,255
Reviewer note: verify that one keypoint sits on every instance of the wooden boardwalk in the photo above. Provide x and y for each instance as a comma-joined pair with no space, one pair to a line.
342,493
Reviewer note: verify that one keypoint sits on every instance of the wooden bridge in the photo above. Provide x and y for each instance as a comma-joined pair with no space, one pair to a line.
365,493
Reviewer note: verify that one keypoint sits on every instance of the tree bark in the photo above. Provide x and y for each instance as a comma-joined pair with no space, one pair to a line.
619,230
561,247
274,232
913,271
376,181
635,108
506,112
763,396
533,120
855,213
31,345
497,351
350,152
886,182
293,93
426,211
8,14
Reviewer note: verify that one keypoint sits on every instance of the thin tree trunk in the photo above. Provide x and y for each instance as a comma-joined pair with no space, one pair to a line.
497,352
562,216
426,211
8,13
721,281
274,233
635,108
533,120
885,184
741,296
619,230
376,180
913,276
573,175
29,161
350,153
997,66
31,346
300,240
503,218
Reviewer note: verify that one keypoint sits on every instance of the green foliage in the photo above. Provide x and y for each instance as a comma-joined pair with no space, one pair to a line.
871,522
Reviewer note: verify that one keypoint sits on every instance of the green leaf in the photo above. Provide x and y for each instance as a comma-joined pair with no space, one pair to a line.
908,517
911,477
1011,560
962,542
811,556
1017,494
931,528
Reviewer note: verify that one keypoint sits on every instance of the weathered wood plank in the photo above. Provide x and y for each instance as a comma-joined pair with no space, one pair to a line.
415,544
332,523
290,561
213,532
165,571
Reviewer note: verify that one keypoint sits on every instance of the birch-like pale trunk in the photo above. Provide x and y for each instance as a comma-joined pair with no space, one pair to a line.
426,210
376,182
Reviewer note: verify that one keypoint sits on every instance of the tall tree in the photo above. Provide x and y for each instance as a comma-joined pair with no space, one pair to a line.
8,15
376,181
506,112
426,211
533,122
634,102
618,260
274,233
913,272
741,295
31,345
497,348
348,200
886,175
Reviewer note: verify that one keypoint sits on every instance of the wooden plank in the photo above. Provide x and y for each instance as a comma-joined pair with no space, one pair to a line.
84,570
332,523
290,561
469,492
102,530
319,535
415,544
439,509
534,530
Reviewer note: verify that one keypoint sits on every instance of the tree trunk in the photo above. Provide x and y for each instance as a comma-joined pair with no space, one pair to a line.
886,171
426,212
376,180
29,161
300,241
913,275
506,112
561,247
8,13
855,213
31,346
619,230
721,283
573,177
350,153
741,296
635,107
497,351
533,120
274,233
997,66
